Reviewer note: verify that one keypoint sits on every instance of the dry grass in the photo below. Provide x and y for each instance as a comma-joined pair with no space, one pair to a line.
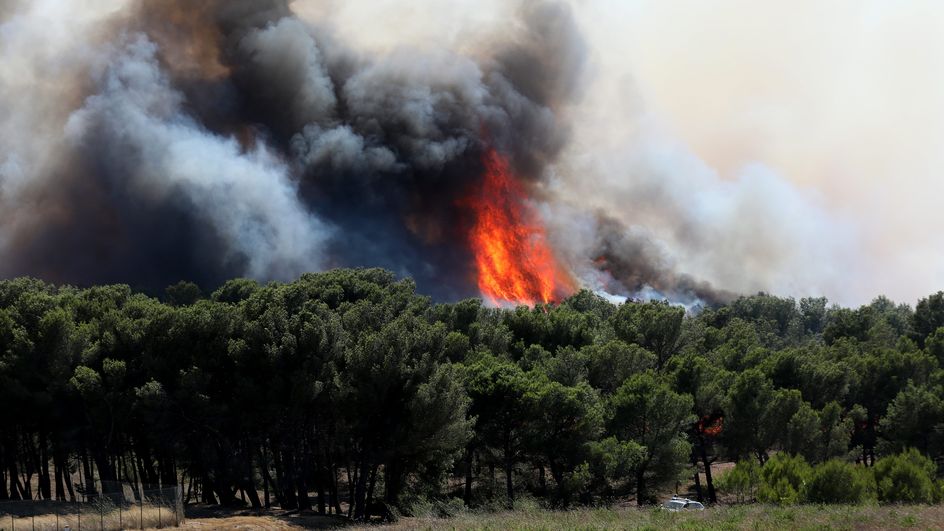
212,517
735,518
133,517
744,517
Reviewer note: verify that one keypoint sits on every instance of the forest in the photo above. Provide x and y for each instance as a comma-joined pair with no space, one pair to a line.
346,392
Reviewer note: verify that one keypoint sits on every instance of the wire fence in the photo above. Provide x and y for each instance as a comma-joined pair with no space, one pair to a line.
120,507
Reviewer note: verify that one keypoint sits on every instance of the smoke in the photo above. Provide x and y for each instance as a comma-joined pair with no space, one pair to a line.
203,141
148,142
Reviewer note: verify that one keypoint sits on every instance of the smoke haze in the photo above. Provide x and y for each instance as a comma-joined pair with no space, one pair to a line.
148,142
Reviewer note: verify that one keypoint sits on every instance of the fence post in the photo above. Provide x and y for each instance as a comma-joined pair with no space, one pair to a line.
78,513
158,514
101,514
57,519
33,521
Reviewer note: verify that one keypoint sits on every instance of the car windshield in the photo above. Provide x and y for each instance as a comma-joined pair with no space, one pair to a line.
694,505
674,504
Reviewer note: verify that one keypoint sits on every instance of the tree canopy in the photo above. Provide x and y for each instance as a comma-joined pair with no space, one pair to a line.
347,392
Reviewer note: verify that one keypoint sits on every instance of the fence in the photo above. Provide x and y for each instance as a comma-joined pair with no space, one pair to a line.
120,508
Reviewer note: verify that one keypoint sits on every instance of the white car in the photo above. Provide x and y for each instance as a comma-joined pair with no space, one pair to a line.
677,504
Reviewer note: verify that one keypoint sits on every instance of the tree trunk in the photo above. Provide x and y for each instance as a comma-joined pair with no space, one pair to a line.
493,485
45,487
351,490
467,493
509,471
393,480
360,492
168,471
16,490
206,490
250,488
265,486
106,473
370,488
189,490
702,447
335,497
4,494
136,483
304,503
285,488
60,487
67,473
509,480
249,480
641,486
698,493
89,480
320,488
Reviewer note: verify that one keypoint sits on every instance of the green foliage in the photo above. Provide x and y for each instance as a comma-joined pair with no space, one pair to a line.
742,480
183,293
906,478
837,481
611,462
928,317
646,410
655,326
351,375
935,345
235,290
818,435
757,414
783,480
86,381
915,419
609,364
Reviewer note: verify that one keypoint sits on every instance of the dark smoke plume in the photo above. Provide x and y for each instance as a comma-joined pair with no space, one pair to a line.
212,139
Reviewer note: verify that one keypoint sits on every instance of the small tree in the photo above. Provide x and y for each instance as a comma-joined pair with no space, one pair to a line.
742,480
647,411
611,462
784,478
837,481
915,419
905,478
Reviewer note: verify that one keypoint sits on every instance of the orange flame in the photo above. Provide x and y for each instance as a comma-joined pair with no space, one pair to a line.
514,261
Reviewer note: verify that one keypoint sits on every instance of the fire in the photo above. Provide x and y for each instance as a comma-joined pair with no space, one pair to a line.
515,263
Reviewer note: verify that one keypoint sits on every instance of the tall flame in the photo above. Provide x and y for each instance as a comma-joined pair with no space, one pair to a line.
515,263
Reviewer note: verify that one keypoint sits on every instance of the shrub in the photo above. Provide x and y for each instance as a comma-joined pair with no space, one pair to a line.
742,480
837,481
783,479
906,478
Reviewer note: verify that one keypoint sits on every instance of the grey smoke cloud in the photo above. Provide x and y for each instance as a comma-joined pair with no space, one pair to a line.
176,140
157,149
153,141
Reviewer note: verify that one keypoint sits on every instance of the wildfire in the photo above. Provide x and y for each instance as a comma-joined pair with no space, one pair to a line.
514,260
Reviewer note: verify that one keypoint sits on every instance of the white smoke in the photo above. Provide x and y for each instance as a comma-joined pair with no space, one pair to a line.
47,49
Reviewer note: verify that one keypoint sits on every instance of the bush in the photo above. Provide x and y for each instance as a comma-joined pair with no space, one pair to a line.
783,479
837,481
742,480
906,478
